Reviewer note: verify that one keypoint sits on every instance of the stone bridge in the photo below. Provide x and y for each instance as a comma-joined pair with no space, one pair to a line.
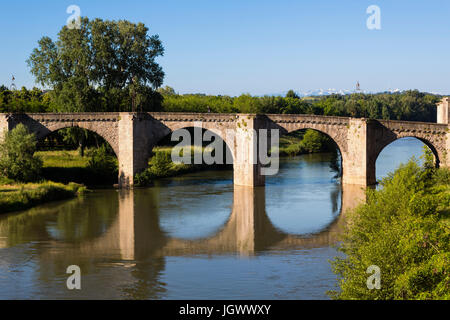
133,136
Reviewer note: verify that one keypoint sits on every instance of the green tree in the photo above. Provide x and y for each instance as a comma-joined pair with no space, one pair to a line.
17,160
403,229
167,91
313,141
84,64
292,94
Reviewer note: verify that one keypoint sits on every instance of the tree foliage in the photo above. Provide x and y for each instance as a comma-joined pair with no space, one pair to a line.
102,66
17,160
410,105
403,229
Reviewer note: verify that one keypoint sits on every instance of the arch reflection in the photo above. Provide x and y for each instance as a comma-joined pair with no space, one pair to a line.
133,249
136,233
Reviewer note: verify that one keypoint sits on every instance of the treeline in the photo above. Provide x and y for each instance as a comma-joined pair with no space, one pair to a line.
36,100
409,105
24,100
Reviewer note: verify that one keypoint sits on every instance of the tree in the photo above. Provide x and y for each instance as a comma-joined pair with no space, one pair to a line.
167,91
102,66
17,160
85,64
403,230
313,141
292,94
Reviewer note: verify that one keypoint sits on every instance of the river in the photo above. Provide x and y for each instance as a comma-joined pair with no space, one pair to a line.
189,237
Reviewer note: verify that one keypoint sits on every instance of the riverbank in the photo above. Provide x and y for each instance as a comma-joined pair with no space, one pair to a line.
66,166
16,197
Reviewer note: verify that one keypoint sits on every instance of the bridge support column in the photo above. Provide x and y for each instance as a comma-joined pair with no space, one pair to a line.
134,147
4,125
359,163
247,167
443,117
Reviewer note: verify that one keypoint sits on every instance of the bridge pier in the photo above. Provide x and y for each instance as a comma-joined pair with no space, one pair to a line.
4,125
358,163
246,165
443,117
135,146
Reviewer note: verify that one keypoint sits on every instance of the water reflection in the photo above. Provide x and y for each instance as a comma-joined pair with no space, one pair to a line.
193,237
119,236
129,227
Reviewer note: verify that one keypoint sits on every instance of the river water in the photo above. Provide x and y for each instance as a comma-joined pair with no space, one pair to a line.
189,237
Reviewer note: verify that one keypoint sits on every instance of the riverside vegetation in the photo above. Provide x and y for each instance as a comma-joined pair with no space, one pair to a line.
19,167
404,229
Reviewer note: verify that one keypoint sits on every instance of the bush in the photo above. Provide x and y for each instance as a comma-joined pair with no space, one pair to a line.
102,162
403,230
161,163
17,160
313,141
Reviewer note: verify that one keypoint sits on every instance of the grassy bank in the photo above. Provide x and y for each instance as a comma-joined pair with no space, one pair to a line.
304,142
67,166
16,197
161,166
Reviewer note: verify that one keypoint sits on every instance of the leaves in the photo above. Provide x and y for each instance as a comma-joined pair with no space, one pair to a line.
17,160
403,230
84,65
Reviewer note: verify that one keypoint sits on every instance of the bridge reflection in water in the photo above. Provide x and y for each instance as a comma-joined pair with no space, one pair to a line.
135,234
127,232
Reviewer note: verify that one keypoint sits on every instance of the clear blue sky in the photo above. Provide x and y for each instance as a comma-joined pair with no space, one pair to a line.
260,47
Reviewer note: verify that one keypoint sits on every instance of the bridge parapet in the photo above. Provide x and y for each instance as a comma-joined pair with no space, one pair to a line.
191,117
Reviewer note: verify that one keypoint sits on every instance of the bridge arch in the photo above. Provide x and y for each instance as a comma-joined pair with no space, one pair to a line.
386,135
426,142
382,149
333,137
220,133
103,132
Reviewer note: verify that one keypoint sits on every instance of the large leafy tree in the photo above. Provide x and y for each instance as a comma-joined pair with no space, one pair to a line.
99,65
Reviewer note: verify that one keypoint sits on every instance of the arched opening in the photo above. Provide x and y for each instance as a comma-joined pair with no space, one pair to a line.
401,151
305,196
187,150
78,155
195,196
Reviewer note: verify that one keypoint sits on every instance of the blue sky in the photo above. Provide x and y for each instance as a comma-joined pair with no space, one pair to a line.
260,47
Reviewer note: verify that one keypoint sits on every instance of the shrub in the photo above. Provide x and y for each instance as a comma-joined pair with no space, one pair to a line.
161,163
102,162
313,141
17,160
402,230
